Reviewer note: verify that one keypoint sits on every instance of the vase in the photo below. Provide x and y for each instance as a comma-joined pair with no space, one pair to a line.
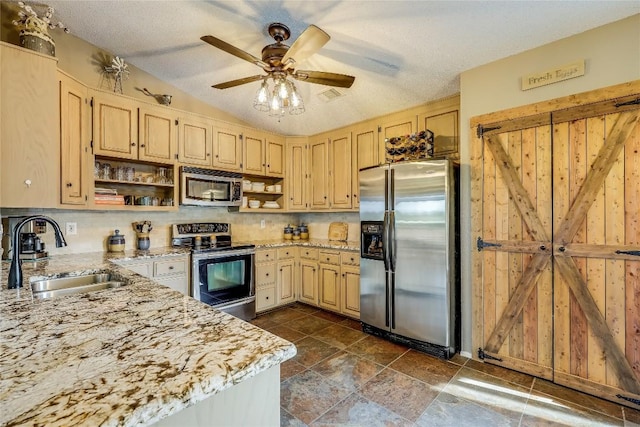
35,37
143,241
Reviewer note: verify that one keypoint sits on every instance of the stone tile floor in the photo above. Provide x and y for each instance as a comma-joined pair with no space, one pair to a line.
342,376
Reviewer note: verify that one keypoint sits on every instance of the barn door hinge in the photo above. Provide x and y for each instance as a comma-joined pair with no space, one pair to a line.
629,399
481,244
481,130
482,355
632,102
634,253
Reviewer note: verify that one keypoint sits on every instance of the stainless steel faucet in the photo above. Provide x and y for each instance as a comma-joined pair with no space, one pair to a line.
15,271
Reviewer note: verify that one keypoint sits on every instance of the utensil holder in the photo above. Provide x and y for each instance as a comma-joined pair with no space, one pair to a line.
143,241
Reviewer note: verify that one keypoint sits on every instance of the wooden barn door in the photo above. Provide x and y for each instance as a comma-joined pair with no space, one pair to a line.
515,244
596,249
556,211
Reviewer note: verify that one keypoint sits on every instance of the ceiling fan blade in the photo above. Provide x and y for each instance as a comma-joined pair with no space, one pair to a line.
322,78
220,44
238,82
310,41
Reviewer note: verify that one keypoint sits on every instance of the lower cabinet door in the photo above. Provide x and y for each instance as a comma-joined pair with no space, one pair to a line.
351,291
286,282
265,298
329,285
309,282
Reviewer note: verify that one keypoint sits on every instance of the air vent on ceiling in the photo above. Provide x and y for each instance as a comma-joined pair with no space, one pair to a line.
330,94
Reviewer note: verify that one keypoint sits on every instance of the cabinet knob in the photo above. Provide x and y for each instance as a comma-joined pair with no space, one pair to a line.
142,145
171,267
133,144
327,258
217,156
355,196
69,184
267,274
263,165
342,274
208,154
347,196
352,259
266,298
268,165
280,269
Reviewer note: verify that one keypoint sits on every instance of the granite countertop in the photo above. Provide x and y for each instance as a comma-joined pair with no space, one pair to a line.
124,356
317,243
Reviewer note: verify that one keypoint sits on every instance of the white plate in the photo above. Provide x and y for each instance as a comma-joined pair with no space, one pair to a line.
271,206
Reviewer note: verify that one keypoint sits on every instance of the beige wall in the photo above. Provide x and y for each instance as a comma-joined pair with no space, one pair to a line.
612,55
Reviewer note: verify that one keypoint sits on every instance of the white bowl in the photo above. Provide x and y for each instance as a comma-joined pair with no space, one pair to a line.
254,204
270,188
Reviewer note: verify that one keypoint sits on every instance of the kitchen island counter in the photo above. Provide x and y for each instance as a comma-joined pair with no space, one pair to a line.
125,356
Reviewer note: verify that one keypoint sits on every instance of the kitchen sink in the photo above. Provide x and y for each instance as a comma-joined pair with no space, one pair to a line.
49,288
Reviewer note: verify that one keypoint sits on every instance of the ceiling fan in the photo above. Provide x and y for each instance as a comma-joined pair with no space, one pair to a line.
279,60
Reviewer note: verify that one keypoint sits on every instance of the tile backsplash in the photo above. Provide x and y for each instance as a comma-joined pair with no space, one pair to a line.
95,227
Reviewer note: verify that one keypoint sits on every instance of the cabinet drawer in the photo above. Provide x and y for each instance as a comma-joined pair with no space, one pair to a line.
265,274
265,255
309,253
169,267
286,253
265,298
350,258
330,257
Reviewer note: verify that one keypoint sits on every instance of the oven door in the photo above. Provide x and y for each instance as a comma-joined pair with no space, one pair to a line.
224,277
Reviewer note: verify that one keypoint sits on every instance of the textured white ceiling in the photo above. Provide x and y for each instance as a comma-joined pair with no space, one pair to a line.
402,53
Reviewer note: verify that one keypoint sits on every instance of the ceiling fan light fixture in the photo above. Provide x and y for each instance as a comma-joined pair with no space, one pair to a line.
296,105
276,104
261,102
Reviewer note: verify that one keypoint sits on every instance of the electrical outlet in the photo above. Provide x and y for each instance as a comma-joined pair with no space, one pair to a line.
263,223
71,228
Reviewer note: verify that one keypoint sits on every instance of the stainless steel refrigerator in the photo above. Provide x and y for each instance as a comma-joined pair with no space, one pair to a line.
408,268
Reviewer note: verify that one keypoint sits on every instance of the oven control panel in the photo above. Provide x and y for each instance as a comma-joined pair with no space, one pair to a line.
200,228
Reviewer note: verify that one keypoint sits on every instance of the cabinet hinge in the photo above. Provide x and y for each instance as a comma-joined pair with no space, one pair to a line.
86,198
177,122
379,129
91,102
176,156
628,399
91,145
481,244
482,355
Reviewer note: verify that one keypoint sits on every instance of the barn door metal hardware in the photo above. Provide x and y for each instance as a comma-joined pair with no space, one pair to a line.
482,355
628,399
632,102
634,253
481,244
481,130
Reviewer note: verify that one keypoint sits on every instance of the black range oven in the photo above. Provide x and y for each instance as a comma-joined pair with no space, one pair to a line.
222,273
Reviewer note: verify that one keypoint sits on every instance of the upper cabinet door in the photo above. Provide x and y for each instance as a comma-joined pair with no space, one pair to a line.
227,148
75,123
365,153
340,170
319,161
195,136
115,126
29,168
396,125
275,156
445,132
158,141
254,154
296,179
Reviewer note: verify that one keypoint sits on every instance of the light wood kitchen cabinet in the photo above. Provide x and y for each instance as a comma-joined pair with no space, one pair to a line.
158,134
441,118
275,156
171,271
308,275
115,125
227,147
29,145
296,175
254,154
266,295
340,171
286,281
350,286
75,125
329,280
195,141
319,171
365,152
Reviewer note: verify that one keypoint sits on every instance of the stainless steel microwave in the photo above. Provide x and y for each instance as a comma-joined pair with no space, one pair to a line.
205,187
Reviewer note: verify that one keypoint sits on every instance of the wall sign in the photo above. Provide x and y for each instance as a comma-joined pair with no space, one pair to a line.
555,75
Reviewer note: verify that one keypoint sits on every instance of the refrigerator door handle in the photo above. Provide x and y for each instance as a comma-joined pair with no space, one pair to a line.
385,241
392,241
393,301
386,299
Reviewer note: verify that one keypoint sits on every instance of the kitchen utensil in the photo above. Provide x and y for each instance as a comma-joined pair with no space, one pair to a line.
338,231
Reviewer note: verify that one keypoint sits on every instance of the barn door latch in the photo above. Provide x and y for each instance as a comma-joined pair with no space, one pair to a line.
481,130
628,399
481,244
632,102
482,355
634,253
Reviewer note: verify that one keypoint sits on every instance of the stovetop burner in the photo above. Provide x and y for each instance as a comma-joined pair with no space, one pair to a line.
205,237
